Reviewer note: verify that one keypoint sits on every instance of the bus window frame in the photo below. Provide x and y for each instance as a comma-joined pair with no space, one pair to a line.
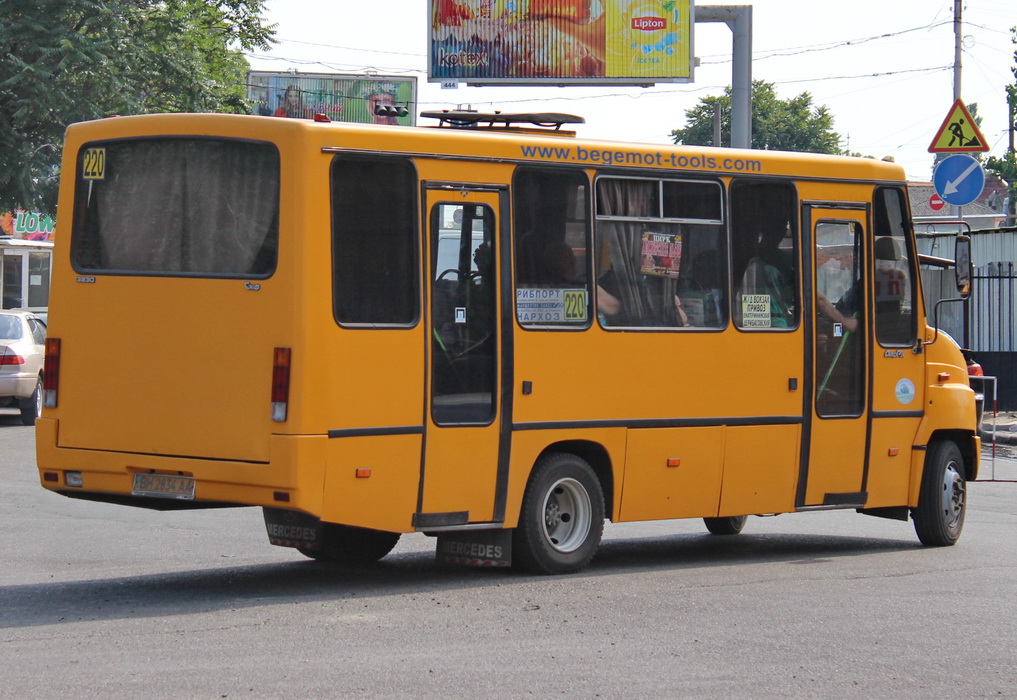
722,224
80,206
798,240
416,263
911,251
589,237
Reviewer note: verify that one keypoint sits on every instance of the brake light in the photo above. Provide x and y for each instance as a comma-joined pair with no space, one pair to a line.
11,358
280,383
51,373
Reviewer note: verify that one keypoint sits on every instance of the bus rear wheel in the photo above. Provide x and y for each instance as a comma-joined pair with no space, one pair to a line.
731,525
942,499
31,407
562,517
344,544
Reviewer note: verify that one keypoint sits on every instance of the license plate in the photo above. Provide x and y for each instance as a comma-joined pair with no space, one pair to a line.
164,486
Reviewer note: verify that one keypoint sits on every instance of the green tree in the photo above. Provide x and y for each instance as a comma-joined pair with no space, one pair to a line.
63,61
794,124
1006,167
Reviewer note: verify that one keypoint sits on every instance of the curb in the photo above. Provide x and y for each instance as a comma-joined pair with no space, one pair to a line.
1003,437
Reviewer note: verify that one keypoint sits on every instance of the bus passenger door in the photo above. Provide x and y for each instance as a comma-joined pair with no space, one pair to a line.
833,470
461,481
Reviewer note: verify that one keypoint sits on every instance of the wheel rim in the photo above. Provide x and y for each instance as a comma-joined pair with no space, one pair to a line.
953,496
567,515
38,399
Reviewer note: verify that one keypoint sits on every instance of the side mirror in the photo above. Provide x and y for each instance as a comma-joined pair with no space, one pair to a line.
963,270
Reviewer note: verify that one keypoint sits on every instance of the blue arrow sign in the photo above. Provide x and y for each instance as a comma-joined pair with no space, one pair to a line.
959,179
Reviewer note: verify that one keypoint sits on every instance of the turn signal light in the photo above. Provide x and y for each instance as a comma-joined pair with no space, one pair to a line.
51,373
280,383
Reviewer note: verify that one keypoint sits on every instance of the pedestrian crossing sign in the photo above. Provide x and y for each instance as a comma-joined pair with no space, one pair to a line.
959,133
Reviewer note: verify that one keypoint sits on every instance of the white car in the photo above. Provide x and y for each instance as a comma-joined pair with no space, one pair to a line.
22,355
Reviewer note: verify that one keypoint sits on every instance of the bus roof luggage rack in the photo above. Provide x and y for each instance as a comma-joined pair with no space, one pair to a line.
465,119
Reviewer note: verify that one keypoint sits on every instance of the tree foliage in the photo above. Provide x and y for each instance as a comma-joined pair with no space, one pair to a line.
794,124
63,61
1006,167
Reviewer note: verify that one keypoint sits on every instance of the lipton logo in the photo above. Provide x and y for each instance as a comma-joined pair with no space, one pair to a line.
648,24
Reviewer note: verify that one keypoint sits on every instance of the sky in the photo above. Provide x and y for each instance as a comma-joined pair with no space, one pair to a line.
884,68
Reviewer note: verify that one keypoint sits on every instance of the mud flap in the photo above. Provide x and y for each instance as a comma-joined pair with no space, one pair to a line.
484,548
290,528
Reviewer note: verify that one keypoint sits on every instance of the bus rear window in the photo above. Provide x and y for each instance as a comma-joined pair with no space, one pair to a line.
177,206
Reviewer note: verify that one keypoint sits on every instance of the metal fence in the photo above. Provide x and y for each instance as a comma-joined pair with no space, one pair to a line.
992,312
986,324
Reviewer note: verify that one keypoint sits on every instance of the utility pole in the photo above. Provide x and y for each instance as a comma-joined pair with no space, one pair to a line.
739,20
958,36
957,39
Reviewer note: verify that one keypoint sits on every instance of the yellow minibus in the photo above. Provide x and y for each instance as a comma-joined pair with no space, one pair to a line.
490,331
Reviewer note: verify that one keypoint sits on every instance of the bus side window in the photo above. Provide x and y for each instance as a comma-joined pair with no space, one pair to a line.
551,242
374,241
765,255
893,276
661,253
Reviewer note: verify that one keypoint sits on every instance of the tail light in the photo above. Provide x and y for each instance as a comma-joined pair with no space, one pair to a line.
51,373
280,383
9,357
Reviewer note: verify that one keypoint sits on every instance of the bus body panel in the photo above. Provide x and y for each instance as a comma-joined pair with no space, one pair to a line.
372,481
529,445
890,461
760,469
168,378
672,473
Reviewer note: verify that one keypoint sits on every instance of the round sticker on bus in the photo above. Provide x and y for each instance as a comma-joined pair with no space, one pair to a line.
905,391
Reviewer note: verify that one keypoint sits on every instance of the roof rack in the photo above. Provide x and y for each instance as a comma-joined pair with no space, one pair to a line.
464,119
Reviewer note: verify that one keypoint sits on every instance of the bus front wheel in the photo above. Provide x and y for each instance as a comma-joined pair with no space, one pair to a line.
344,544
562,517
942,499
726,526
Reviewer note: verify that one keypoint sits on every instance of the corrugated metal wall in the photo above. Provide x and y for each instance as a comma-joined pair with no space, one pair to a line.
992,309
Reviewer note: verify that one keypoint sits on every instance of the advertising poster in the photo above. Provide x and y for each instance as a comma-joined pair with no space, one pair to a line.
341,97
26,225
661,254
610,42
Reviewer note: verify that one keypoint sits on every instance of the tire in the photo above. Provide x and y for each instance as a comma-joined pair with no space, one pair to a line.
942,500
562,517
344,544
31,408
731,525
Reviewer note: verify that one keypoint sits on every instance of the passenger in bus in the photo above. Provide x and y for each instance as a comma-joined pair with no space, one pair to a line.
843,312
771,272
546,259
642,313
700,290
890,282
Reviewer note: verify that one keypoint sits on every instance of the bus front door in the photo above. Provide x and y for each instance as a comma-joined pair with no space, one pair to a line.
834,468
463,475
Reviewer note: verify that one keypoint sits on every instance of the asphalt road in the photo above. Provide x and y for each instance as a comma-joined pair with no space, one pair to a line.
105,601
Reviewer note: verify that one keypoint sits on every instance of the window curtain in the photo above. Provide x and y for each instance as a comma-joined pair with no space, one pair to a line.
189,206
647,300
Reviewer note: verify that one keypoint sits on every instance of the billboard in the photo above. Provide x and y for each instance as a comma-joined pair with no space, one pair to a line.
341,97
559,42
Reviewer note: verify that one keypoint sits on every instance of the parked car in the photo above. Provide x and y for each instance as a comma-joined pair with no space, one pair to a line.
22,355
